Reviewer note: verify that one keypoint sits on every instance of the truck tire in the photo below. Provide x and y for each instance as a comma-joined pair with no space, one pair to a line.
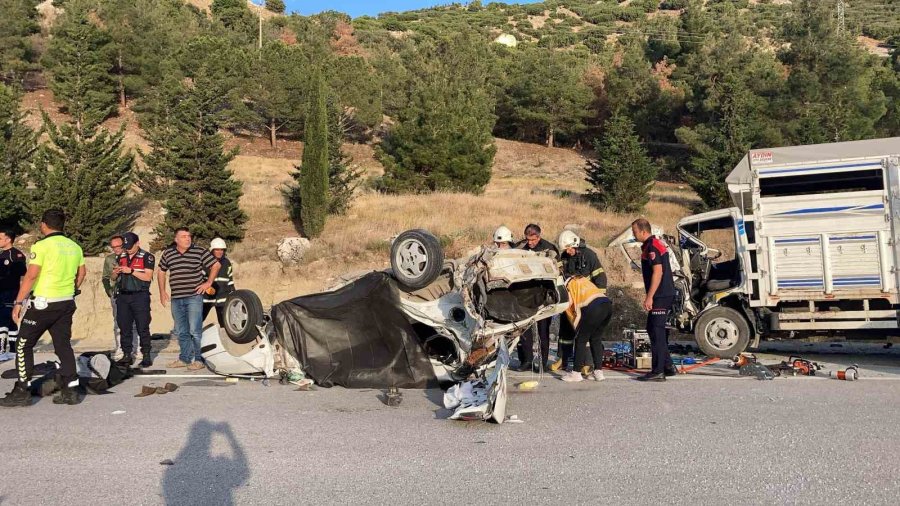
416,258
722,332
243,313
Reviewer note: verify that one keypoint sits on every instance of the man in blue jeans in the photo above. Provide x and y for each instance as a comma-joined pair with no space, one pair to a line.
187,265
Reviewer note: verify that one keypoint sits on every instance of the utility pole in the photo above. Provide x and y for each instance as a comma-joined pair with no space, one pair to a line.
840,13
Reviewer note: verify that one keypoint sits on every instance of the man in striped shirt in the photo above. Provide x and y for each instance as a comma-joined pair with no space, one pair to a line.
187,265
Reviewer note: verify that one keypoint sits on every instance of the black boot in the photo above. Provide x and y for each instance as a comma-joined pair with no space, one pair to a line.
20,396
659,376
670,371
127,359
66,395
146,361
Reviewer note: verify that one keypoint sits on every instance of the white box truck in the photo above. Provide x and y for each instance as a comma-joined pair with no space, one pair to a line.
811,245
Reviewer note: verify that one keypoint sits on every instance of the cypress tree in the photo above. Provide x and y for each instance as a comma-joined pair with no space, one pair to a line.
188,166
622,175
80,59
18,144
87,173
314,165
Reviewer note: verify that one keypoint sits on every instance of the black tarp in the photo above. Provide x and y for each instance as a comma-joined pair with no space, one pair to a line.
356,336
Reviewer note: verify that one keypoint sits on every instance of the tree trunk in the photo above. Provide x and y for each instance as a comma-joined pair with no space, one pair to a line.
123,102
550,137
272,130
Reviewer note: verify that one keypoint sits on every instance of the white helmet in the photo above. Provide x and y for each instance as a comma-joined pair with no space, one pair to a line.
218,243
568,239
502,234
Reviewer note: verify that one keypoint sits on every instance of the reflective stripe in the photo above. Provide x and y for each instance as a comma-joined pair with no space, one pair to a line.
597,272
222,279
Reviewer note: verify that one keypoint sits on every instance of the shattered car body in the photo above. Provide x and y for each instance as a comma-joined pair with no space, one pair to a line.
375,331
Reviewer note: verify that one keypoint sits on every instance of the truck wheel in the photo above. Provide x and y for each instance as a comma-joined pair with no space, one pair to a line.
416,258
243,313
722,332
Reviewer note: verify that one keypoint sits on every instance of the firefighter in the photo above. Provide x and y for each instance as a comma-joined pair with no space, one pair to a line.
578,260
222,285
132,276
534,242
503,238
12,268
46,302
660,287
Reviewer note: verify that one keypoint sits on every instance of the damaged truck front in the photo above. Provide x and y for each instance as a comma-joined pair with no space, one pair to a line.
811,245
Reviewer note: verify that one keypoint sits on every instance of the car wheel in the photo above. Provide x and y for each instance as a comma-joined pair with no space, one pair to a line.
722,332
243,314
416,258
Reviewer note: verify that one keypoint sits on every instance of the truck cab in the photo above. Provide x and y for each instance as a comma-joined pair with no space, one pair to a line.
812,244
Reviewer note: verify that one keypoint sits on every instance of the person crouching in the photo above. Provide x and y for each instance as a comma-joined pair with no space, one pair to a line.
586,318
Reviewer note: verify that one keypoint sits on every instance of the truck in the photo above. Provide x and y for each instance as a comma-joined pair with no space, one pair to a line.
811,245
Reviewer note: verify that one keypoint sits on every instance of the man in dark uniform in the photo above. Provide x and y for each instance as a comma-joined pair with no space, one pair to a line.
534,242
46,302
223,283
576,259
132,276
660,286
12,268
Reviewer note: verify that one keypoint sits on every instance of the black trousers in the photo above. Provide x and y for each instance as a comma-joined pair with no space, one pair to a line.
659,336
133,310
8,327
56,318
595,317
220,312
526,343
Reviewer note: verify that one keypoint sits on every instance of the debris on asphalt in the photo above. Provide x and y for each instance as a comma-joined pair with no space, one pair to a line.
232,380
527,386
514,419
393,397
760,371
119,412
167,462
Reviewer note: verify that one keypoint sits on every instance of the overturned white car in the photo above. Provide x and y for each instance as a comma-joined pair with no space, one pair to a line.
422,322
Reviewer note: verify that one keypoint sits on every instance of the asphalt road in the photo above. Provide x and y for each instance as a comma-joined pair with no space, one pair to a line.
696,439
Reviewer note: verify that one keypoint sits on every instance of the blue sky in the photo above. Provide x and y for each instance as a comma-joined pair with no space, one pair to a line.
371,7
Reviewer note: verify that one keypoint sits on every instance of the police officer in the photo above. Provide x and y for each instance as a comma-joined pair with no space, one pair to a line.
660,286
46,302
223,283
534,242
12,268
577,260
132,276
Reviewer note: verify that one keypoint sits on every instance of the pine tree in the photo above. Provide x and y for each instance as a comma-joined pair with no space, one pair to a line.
80,59
17,52
314,168
622,175
18,144
831,96
87,173
343,178
443,140
276,6
189,169
277,78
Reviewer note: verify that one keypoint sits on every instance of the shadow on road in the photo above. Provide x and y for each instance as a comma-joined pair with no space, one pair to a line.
200,477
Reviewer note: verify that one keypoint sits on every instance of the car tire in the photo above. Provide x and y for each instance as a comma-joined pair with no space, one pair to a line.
722,332
243,314
416,258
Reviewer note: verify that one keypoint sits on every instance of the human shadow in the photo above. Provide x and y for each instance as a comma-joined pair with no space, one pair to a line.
198,476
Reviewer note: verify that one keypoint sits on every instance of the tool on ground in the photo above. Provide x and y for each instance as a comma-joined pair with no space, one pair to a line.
393,397
527,386
743,359
796,365
849,374
686,369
